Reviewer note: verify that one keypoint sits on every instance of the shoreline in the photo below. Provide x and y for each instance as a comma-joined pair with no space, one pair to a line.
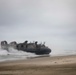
41,56
38,57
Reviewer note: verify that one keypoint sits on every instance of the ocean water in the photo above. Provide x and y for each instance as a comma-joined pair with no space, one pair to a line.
14,54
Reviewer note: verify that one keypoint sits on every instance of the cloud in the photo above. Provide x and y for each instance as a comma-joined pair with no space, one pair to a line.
51,12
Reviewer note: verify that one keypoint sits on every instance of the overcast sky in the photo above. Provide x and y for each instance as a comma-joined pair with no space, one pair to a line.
52,21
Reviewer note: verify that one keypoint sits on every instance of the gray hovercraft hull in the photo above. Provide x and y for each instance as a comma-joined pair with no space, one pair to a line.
38,51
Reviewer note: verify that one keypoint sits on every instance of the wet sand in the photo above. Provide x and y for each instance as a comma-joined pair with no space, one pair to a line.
60,65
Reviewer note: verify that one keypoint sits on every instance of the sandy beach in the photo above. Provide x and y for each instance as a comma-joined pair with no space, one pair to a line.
57,65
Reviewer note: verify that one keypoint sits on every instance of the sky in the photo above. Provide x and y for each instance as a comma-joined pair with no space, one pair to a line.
50,21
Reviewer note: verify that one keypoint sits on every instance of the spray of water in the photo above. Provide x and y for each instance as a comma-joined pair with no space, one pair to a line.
13,54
